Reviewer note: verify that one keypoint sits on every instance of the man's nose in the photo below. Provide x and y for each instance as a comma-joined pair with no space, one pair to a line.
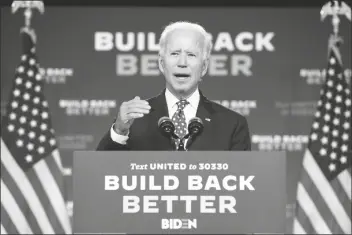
182,61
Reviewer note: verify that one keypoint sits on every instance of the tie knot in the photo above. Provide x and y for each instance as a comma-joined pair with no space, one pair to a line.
182,104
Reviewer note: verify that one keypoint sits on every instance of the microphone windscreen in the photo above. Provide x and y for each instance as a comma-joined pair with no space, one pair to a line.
196,119
163,119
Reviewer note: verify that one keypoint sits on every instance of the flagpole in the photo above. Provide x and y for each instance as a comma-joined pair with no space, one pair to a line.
28,6
335,9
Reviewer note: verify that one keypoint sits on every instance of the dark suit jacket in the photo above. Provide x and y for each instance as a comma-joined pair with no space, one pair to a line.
226,130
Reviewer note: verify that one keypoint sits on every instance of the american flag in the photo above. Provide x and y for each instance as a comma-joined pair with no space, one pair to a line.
323,203
32,196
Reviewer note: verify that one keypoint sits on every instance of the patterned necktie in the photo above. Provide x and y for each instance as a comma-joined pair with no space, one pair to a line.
179,120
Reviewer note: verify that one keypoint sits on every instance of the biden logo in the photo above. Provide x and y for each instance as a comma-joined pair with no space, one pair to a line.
178,223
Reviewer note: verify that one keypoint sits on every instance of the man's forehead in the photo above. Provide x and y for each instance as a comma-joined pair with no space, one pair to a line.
178,36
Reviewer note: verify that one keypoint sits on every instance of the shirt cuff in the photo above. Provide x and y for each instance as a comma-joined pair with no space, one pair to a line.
120,139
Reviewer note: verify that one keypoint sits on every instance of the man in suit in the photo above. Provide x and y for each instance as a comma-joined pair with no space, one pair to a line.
183,59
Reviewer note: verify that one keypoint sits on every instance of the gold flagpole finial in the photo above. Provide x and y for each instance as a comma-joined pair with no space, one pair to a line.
335,9
28,13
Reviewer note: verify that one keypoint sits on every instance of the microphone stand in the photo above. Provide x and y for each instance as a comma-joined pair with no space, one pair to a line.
182,146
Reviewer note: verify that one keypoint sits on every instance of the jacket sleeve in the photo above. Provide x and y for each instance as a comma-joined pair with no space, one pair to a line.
241,140
107,144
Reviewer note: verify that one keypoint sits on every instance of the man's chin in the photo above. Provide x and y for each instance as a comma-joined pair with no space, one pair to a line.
184,91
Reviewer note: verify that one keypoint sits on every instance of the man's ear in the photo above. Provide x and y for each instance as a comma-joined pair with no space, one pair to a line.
205,66
161,63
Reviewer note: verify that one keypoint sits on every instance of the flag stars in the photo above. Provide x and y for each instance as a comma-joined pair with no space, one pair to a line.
43,127
30,73
339,75
24,57
347,91
346,125
32,61
335,133
11,128
324,140
348,102
344,148
338,99
38,77
23,119
332,61
328,95
45,115
336,121
322,152
332,167
26,96
343,159
326,129
347,114
18,81
334,144
345,136
30,146
41,150
333,155
328,106
29,158
33,50
14,104
337,110
319,103
33,123
42,138
16,92
35,112
36,100
330,83
317,114
28,84
327,117
31,135
339,87
12,116
45,103
331,72
19,143
20,69
37,88
314,136
24,108
52,142
21,131
315,125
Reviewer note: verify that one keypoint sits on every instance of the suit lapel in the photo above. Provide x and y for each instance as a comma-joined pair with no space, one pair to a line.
159,109
204,112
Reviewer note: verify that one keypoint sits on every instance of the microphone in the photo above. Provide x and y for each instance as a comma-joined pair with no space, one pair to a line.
167,127
195,128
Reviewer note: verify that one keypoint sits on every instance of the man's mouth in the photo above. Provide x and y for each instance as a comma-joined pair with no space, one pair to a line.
182,76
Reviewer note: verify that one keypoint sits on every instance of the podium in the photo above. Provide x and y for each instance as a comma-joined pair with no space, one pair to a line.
163,192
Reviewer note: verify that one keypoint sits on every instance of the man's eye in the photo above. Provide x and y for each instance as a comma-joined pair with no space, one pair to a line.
192,55
174,53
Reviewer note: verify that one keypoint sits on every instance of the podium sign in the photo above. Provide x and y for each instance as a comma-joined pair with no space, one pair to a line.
179,192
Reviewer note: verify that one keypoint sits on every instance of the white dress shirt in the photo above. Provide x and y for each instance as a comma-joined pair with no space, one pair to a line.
190,112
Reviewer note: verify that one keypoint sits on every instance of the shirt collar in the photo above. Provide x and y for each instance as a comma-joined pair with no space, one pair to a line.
193,100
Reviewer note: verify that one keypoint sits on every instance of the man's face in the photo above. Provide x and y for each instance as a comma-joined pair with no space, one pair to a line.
182,63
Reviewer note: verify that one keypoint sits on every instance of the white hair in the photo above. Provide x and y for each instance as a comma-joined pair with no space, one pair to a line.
208,45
